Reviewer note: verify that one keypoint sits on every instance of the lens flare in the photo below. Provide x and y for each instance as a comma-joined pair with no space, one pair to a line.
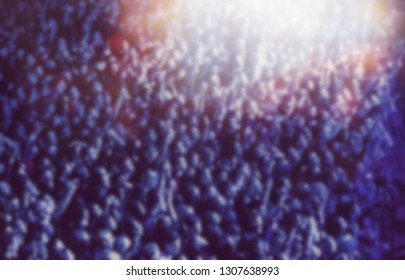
252,43
304,19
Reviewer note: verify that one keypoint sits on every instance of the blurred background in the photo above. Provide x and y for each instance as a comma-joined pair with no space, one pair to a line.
202,129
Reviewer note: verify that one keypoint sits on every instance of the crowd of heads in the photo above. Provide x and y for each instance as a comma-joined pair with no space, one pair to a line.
147,130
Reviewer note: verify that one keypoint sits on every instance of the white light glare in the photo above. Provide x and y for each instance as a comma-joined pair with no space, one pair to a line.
295,18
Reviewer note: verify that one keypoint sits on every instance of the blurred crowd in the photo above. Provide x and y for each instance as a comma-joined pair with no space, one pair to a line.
157,130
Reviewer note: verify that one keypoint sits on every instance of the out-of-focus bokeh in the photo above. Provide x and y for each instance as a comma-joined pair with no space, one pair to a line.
202,129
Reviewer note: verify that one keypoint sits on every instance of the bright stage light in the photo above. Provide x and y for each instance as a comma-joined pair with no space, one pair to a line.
302,27
290,15
296,19
232,46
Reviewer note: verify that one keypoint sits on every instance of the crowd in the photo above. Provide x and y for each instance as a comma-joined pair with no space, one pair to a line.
157,130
